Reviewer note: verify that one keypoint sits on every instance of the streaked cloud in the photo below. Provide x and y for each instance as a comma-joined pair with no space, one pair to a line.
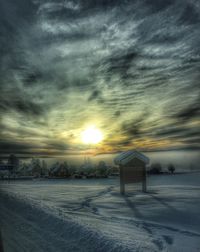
129,67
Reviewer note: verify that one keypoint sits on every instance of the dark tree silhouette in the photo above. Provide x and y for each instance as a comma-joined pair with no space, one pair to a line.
156,168
171,168
13,160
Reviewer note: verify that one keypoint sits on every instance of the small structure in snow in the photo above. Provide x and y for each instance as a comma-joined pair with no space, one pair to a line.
132,166
60,170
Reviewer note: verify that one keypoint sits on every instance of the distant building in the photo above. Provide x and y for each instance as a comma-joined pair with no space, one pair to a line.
9,168
6,167
6,170
60,170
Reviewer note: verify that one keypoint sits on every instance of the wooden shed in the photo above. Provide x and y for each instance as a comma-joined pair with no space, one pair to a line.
132,166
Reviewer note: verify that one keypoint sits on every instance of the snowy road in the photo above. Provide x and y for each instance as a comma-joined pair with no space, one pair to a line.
91,215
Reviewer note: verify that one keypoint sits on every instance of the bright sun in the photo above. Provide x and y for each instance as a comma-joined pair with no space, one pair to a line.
92,135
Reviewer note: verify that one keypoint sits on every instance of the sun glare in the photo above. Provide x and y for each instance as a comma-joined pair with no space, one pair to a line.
92,135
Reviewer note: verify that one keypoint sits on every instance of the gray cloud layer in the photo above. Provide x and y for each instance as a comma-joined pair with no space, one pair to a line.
132,66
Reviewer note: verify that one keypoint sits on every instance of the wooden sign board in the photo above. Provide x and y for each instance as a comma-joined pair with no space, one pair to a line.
130,174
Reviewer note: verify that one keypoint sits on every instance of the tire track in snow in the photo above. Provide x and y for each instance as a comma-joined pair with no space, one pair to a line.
160,226
86,203
161,242
158,233
154,231
158,240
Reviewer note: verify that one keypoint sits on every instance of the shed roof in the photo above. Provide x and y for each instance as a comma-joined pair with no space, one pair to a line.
126,156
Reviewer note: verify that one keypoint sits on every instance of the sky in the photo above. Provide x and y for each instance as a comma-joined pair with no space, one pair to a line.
130,68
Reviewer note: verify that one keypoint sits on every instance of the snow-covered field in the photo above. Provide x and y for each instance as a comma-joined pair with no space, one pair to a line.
91,215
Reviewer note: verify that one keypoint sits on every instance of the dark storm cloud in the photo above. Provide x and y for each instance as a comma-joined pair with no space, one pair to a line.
134,128
63,62
117,113
96,94
7,146
121,63
15,19
26,107
177,132
170,131
158,5
189,112
57,145
194,141
32,77
190,15
44,148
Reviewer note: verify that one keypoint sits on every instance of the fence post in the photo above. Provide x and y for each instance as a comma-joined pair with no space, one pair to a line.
144,183
122,185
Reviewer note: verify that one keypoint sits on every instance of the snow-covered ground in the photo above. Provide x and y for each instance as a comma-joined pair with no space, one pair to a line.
91,215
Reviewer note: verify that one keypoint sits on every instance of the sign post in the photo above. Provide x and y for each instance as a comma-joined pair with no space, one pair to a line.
132,166
122,184
144,183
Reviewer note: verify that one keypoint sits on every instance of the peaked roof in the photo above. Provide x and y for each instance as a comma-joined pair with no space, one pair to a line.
126,156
